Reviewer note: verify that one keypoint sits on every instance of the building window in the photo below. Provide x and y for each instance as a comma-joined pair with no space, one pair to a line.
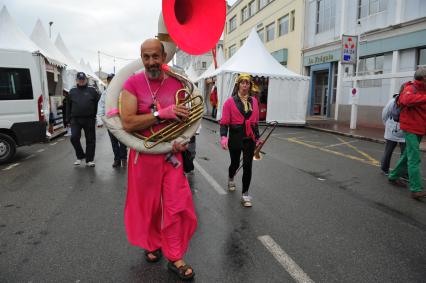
262,4
283,25
261,34
422,57
244,14
15,84
233,23
371,65
252,8
326,13
203,65
370,7
232,50
270,32
293,20
242,41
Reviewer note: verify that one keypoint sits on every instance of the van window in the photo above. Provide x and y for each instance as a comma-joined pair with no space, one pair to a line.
15,84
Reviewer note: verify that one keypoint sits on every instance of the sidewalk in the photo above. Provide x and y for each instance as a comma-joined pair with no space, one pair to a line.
335,127
361,132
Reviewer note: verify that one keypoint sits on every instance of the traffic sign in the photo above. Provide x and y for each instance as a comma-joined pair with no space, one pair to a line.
349,49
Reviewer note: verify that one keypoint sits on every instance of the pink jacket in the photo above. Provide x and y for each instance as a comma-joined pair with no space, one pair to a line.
232,116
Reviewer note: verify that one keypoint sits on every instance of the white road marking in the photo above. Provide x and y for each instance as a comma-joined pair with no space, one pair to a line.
54,143
285,260
209,179
62,139
40,150
29,156
10,166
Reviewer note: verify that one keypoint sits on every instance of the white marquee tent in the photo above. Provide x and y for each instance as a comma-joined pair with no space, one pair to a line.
12,38
39,36
287,91
220,59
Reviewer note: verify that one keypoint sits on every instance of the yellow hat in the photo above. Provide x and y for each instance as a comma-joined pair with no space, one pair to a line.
243,76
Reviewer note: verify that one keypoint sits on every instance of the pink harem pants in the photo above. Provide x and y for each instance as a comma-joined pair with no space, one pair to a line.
159,211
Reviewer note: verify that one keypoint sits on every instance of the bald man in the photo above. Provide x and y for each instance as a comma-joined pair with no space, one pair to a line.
159,212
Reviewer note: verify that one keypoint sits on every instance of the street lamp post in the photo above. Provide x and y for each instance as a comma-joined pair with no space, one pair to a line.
50,29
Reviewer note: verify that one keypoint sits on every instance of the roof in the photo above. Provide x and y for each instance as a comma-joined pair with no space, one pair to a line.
253,58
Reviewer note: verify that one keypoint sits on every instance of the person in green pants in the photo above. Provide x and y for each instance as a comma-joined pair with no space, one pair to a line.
413,122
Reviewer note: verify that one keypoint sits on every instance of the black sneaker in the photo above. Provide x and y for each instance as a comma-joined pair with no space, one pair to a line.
116,164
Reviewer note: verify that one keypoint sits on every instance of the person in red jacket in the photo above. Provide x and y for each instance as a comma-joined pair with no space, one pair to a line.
213,100
413,122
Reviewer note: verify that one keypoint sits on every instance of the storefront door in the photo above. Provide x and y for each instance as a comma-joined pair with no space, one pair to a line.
320,98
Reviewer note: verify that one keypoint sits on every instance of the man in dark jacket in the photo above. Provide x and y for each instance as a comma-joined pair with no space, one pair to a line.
413,123
81,112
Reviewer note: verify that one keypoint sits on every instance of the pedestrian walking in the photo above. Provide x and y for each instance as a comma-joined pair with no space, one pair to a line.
159,212
239,131
82,107
393,134
413,122
118,148
214,100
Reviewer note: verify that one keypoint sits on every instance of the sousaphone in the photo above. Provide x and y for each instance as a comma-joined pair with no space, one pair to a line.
194,26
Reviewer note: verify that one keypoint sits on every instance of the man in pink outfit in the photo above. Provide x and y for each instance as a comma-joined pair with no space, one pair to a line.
159,213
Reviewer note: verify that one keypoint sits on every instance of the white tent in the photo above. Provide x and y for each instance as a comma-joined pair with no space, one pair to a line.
287,91
39,36
220,59
12,38
72,66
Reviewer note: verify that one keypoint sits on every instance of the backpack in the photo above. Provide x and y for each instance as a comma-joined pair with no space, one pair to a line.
396,108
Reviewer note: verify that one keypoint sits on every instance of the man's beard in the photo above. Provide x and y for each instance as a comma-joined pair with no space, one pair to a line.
154,72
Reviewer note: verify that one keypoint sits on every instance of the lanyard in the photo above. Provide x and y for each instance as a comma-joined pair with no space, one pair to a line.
154,94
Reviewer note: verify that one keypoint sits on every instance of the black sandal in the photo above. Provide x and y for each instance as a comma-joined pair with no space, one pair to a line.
156,254
181,270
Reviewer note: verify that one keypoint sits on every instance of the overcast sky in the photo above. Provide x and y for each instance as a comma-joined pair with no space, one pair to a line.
86,26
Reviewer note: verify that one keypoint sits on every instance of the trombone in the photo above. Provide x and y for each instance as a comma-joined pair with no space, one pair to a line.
257,151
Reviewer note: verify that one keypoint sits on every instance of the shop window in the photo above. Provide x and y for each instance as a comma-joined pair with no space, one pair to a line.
232,50
370,7
252,8
15,84
283,25
261,33
293,20
232,23
326,14
270,32
422,57
244,14
371,65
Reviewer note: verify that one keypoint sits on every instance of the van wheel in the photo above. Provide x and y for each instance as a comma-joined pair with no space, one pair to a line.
7,148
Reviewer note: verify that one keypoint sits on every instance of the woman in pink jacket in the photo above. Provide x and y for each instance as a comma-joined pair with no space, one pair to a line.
239,132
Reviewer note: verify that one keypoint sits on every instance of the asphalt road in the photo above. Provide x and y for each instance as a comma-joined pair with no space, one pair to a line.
322,212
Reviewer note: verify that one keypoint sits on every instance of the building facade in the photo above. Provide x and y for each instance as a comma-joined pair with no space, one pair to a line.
391,37
279,24
200,63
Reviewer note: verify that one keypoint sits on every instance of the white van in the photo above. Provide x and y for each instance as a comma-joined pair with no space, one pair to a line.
22,120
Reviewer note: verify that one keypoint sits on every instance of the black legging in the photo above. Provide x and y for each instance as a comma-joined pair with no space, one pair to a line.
248,147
